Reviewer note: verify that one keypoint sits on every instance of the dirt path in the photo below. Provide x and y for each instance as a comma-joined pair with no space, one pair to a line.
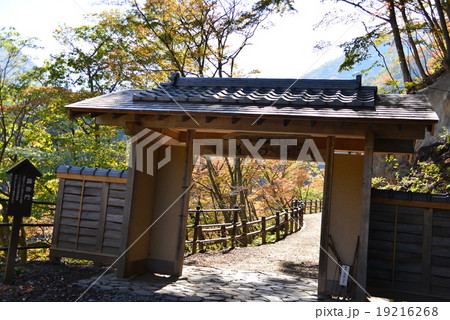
297,255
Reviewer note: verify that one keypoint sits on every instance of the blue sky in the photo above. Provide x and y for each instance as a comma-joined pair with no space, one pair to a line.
283,50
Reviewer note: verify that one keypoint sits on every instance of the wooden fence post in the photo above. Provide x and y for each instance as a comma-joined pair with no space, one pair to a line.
277,225
292,220
294,216
302,212
310,206
286,223
315,207
263,229
196,223
244,233
200,237
223,234
233,230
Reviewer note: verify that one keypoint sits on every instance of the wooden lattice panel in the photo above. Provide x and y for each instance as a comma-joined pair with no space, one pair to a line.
88,217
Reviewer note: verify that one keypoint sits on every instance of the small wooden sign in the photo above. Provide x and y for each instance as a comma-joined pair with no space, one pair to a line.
19,205
23,177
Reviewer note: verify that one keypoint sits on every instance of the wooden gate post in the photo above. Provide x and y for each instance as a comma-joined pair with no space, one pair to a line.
325,224
365,216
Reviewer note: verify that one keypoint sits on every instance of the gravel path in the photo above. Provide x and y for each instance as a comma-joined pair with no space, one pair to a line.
297,255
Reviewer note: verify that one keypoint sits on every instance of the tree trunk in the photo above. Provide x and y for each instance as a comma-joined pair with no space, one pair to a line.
445,33
398,42
433,27
411,41
240,185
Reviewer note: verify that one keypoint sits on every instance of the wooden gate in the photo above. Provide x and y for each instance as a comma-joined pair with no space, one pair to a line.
409,246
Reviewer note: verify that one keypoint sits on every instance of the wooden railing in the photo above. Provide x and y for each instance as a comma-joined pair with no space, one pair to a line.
238,232
36,245
241,233
313,206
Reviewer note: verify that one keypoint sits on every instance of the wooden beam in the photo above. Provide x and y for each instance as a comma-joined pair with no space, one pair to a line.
132,127
395,146
286,122
76,114
209,119
361,277
93,256
272,125
102,218
413,203
118,115
325,224
72,176
235,120
161,117
171,133
184,118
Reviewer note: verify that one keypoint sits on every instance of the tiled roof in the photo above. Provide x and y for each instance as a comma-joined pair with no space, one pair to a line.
286,98
91,171
242,91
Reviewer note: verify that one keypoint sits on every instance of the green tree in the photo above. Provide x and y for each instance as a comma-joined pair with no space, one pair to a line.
201,37
418,30
98,57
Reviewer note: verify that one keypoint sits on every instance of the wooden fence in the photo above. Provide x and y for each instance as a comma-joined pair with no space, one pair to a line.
241,233
313,206
409,246
89,213
38,242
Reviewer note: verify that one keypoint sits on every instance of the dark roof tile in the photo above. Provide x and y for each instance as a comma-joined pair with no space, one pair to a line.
91,171
331,99
242,91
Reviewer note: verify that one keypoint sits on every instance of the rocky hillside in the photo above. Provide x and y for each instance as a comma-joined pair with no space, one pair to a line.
429,172
438,94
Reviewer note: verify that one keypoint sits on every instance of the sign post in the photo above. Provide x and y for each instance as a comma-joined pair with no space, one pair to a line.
20,201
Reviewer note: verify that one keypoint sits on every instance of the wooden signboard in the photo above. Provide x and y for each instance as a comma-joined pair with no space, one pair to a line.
22,187
20,201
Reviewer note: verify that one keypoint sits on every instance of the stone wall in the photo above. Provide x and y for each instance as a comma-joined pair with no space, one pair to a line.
439,96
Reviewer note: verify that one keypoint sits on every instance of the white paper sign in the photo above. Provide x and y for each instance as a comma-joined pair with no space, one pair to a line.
344,275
